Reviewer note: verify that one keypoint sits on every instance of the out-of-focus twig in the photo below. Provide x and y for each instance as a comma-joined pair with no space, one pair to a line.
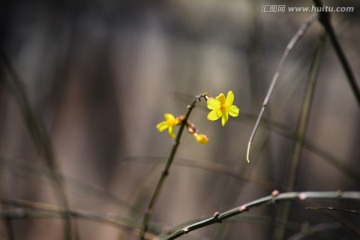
9,228
299,139
29,209
12,81
324,19
352,211
315,229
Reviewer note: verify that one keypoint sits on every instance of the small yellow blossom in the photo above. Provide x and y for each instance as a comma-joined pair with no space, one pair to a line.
222,107
169,123
201,138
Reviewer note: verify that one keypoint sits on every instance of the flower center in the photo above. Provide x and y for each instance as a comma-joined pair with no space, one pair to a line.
170,122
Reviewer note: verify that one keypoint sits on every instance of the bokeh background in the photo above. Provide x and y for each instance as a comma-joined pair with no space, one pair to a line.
99,75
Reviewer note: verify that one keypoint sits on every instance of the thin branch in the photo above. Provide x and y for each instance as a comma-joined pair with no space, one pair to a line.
271,199
29,209
37,131
285,131
9,228
305,113
165,173
216,168
299,139
74,184
289,47
352,211
324,18
315,229
347,225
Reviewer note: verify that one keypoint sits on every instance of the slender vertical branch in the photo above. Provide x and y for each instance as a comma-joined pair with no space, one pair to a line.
305,113
324,18
9,228
37,131
301,131
165,173
289,47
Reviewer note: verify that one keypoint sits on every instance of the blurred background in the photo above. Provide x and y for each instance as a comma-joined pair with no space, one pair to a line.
99,75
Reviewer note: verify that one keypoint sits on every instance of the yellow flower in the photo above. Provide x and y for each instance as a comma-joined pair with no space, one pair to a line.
222,107
169,123
201,138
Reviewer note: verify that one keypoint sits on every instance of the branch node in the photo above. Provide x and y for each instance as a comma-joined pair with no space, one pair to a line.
275,193
243,208
339,193
216,217
302,196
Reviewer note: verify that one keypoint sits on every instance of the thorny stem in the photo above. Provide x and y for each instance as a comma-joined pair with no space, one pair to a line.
165,173
275,197
289,47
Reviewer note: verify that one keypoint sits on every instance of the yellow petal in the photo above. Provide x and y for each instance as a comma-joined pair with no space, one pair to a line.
233,110
224,118
229,98
171,132
162,126
213,104
201,138
221,98
169,116
214,115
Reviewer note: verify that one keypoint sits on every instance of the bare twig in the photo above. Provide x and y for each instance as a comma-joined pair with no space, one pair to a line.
274,198
165,173
315,229
212,167
9,228
309,145
305,113
324,18
29,209
13,165
352,211
37,132
289,47
349,226
299,139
